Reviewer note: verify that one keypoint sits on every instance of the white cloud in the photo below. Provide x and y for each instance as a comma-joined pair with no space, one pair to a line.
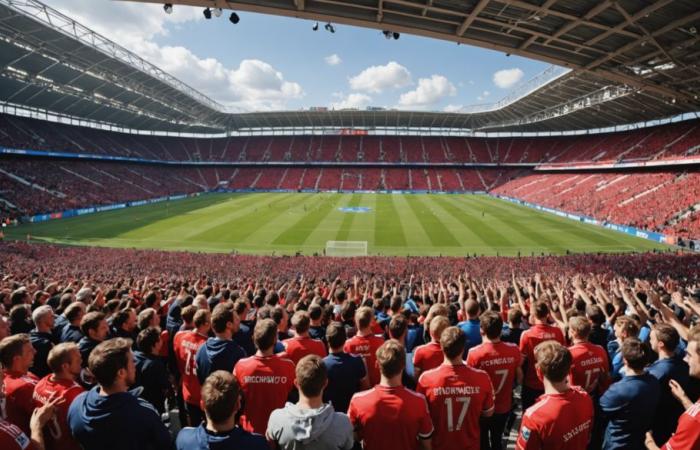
253,85
507,78
483,95
453,108
375,79
333,60
429,92
354,100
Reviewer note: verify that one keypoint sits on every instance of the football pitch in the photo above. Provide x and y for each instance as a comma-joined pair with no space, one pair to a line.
287,223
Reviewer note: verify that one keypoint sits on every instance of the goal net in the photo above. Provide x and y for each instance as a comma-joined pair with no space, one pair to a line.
346,248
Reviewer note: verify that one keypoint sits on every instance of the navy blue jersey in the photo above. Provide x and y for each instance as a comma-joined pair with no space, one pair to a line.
202,439
669,410
152,375
244,338
86,345
217,354
42,343
628,405
318,332
71,333
344,374
116,422
511,335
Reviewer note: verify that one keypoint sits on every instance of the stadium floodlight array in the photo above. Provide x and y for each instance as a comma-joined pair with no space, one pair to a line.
346,248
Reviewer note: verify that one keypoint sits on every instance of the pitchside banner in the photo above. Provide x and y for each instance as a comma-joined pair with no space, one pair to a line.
650,235
94,209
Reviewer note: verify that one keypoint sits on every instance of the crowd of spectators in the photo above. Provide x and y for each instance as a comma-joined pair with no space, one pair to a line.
660,142
107,348
651,201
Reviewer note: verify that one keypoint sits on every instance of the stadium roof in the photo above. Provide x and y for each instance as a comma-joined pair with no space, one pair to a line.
629,62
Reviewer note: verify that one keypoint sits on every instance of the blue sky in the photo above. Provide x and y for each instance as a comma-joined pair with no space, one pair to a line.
267,62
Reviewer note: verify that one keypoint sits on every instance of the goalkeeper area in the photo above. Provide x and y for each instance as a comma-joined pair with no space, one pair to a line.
348,224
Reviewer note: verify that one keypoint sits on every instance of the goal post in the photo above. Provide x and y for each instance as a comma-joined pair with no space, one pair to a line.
346,248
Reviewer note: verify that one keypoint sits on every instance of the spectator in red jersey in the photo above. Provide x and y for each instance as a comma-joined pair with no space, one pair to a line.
501,361
266,379
429,356
42,339
13,438
185,346
65,363
389,415
302,344
221,400
364,343
16,357
531,338
687,435
590,369
562,418
458,396
310,424
347,373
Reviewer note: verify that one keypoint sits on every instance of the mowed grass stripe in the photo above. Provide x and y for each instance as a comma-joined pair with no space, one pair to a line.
576,229
388,231
193,223
522,227
237,229
302,229
588,235
436,230
348,219
484,232
111,223
364,225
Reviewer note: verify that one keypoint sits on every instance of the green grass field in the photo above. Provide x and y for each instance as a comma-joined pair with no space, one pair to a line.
285,223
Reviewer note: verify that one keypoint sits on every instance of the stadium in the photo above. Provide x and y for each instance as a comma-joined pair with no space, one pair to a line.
187,246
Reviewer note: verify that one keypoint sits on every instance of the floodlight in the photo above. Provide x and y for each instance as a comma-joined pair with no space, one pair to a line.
234,18
315,27
168,8
217,12
207,13
396,35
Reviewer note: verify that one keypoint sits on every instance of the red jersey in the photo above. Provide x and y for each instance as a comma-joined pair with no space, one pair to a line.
428,356
558,421
18,396
164,339
298,347
266,381
528,341
589,367
500,360
457,396
390,418
12,438
687,436
185,346
366,346
57,433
